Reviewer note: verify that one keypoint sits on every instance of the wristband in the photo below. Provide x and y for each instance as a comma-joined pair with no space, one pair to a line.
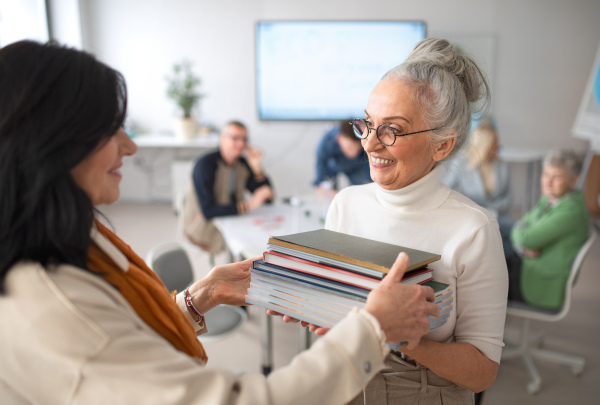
190,304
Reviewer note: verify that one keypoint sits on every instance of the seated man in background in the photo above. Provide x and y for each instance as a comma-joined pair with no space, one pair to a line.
340,151
220,181
549,236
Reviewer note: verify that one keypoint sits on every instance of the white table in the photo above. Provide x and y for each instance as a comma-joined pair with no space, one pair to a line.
247,236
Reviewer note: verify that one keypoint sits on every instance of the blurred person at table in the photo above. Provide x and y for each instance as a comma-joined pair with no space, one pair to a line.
416,116
84,320
220,181
482,176
339,151
547,238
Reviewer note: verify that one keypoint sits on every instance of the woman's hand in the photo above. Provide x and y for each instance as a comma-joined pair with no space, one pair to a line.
225,284
254,159
288,319
531,253
402,309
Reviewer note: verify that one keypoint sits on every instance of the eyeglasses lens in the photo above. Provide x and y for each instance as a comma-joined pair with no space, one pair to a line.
360,129
386,135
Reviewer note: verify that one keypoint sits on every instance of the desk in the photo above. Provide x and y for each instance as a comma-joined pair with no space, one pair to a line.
247,236
167,140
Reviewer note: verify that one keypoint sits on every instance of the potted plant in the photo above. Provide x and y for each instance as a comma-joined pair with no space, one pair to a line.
182,88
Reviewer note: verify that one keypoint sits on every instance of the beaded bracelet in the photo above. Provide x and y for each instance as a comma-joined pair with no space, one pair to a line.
191,307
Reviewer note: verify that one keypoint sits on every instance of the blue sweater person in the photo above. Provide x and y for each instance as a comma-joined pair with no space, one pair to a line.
339,151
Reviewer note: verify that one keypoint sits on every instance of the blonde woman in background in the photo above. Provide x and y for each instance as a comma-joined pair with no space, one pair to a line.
483,177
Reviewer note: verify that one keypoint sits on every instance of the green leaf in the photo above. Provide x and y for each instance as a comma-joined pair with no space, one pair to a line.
182,87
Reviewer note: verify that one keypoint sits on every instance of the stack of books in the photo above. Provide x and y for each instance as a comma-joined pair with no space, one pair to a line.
319,276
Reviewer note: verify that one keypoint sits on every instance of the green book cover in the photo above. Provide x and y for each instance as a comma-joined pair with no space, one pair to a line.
438,287
353,249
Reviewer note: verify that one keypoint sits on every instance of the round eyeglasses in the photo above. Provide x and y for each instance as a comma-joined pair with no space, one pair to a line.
385,134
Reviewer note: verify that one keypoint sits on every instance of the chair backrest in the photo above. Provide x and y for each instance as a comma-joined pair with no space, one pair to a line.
171,263
526,311
576,268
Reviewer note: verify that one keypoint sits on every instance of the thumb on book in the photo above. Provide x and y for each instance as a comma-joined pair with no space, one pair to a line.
398,269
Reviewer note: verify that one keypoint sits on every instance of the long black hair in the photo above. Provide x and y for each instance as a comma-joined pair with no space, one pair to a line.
57,105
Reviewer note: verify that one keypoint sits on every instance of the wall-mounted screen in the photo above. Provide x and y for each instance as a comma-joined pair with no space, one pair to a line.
325,70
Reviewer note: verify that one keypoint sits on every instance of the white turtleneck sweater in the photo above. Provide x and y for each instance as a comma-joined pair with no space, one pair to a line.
427,215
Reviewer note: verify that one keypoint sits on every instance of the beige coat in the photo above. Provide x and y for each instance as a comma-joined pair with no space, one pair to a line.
68,337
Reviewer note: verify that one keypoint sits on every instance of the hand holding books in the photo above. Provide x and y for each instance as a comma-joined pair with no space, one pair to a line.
226,284
319,276
402,309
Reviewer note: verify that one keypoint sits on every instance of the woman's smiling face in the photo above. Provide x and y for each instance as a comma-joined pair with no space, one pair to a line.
99,173
410,157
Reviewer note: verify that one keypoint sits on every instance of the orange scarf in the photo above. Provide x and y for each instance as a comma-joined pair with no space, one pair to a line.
148,296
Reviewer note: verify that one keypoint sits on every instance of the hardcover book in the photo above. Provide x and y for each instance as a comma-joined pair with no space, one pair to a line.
333,273
308,280
351,249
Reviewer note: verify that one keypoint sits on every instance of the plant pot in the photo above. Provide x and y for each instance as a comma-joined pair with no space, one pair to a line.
185,129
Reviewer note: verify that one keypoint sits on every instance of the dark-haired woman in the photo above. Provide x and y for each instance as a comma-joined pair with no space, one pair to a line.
84,320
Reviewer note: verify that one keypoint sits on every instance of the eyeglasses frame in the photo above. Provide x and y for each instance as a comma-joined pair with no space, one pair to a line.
383,125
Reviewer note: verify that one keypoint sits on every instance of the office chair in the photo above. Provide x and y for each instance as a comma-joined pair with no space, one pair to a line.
528,345
172,265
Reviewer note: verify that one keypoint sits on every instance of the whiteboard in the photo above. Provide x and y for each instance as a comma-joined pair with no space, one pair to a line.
325,70
587,123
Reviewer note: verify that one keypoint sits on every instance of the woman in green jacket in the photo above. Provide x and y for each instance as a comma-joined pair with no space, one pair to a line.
549,236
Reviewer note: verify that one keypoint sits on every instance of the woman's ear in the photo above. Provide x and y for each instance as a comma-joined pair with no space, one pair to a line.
443,149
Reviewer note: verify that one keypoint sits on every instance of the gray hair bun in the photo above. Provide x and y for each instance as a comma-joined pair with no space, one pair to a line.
446,83
440,53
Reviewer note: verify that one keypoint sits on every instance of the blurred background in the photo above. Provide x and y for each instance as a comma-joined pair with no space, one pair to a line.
538,55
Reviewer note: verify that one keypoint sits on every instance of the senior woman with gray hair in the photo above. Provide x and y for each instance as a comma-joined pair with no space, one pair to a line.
549,236
416,116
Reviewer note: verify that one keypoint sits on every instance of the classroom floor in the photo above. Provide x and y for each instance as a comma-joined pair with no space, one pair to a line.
146,225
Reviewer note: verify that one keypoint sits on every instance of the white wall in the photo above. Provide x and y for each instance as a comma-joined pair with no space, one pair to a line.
544,50
25,19
65,22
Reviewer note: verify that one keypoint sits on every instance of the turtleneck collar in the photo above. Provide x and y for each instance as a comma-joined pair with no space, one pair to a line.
424,194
